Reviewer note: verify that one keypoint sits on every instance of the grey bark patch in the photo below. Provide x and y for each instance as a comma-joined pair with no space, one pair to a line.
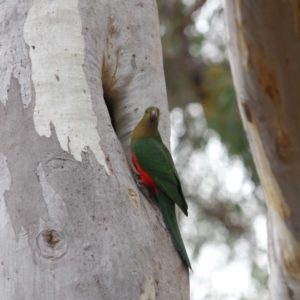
14,58
24,201
5,178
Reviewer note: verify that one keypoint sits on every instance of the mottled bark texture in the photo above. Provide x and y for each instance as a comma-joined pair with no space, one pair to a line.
73,224
264,46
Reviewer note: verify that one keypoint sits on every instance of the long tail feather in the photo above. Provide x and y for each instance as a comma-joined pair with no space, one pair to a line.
167,208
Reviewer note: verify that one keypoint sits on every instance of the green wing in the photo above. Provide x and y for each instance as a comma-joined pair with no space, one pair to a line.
154,157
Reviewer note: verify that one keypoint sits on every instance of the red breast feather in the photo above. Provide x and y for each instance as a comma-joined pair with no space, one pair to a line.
146,179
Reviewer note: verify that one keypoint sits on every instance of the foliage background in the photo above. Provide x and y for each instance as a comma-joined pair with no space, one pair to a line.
226,228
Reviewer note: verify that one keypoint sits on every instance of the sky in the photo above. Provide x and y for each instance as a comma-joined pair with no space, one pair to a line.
215,274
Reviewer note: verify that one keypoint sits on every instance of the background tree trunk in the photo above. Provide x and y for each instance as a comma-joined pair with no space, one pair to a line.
73,223
264,45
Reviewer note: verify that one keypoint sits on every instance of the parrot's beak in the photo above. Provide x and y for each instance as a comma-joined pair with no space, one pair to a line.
153,115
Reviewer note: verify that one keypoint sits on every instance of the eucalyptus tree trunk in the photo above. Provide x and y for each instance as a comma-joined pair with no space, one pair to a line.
264,46
73,224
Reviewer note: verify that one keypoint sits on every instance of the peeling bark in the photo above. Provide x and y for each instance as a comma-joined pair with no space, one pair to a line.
264,48
73,223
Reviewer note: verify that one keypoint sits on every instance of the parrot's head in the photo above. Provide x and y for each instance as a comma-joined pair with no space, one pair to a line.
151,115
148,124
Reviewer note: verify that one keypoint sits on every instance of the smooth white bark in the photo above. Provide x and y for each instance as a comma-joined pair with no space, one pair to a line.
62,95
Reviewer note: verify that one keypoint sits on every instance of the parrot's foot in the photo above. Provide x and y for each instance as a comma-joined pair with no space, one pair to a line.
137,178
147,193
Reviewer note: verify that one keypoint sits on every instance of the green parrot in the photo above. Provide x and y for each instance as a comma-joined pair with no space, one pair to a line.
156,169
